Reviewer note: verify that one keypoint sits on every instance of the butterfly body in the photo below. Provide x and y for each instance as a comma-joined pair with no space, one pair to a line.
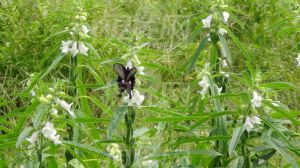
126,78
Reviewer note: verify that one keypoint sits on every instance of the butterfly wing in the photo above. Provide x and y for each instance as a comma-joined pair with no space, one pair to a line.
120,69
131,73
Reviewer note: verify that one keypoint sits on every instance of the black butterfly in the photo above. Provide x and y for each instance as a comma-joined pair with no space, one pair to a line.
126,79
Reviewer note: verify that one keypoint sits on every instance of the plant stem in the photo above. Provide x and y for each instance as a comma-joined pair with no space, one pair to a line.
128,154
72,92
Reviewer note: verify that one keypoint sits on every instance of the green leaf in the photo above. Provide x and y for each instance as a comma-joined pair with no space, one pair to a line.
236,163
39,114
45,72
239,44
267,122
282,152
115,120
86,148
225,52
187,118
182,140
194,58
101,105
278,85
23,135
284,112
169,155
236,135
76,156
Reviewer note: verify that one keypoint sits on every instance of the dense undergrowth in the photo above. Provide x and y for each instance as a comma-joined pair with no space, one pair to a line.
217,83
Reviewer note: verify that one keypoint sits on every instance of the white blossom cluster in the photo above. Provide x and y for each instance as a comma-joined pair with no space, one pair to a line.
207,23
256,100
48,131
114,150
250,121
77,33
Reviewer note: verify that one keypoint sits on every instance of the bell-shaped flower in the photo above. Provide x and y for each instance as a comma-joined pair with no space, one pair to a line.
33,138
298,60
49,132
248,125
250,121
224,74
204,83
65,106
82,49
225,16
255,120
136,99
74,49
140,70
85,30
222,31
206,22
208,37
65,46
219,89
256,100
55,139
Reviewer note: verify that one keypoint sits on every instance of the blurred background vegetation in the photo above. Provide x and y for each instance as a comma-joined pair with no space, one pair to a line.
164,34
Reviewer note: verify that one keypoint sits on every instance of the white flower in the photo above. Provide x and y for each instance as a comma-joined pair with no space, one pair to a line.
206,22
224,63
255,120
74,50
65,46
204,83
55,139
248,125
54,111
225,74
137,98
82,49
222,31
208,37
140,70
256,100
82,17
298,60
219,89
276,103
225,16
150,164
129,64
114,151
66,106
85,30
250,121
50,133
33,138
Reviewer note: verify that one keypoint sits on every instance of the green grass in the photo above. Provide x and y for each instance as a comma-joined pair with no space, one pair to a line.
175,126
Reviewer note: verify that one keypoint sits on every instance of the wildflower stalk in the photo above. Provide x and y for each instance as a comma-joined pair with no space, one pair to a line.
71,92
129,153
244,150
220,82
40,153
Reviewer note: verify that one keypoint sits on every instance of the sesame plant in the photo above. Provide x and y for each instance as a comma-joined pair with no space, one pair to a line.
149,84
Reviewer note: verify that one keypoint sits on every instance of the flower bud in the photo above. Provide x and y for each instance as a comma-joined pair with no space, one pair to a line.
43,99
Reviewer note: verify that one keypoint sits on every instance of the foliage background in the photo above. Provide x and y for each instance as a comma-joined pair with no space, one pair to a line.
164,35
